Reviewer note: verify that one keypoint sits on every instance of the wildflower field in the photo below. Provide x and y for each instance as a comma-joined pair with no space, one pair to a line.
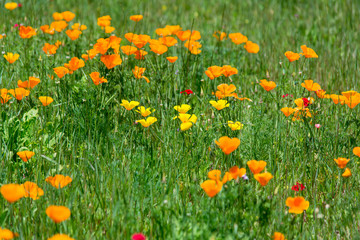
179,119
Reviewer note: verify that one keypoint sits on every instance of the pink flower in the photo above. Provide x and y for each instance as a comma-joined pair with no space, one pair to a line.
138,236
285,95
317,126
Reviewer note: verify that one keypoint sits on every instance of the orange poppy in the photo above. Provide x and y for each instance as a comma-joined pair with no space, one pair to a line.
111,61
49,49
19,93
308,52
73,34
347,173
214,72
136,18
46,29
238,38
267,85
57,16
61,71
188,35
31,83
251,47
173,28
228,145
45,100
192,45
292,56
297,204
212,187
114,43
158,48
278,236
287,111
77,26
109,29
225,90
168,41
32,190
95,77
237,172
310,85
59,181
322,94
128,50
26,32
219,35
229,70
74,64
92,53
338,99
102,45
25,155
60,237
104,21
172,59
68,16
352,98
58,213
6,234
139,54
256,166
4,97
356,151
263,178
11,58
138,73
341,162
58,26
12,192
163,32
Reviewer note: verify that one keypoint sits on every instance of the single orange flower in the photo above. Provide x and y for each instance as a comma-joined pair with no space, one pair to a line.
238,38
172,59
61,71
267,85
47,29
352,98
140,54
32,190
74,64
310,85
12,192
6,234
111,61
138,73
95,77
25,155
341,162
287,111
136,18
228,145
77,26
109,29
212,187
45,100
214,72
68,16
219,35
158,48
58,213
59,181
278,236
31,83
292,56
256,166
11,58
225,90
102,45
104,21
60,237
128,50
237,172
228,70
308,52
338,99
251,47
4,96
173,28
356,151
263,178
163,32
19,93
347,173
297,204
73,34
322,94
57,16
49,49
26,32
168,41
58,26
192,45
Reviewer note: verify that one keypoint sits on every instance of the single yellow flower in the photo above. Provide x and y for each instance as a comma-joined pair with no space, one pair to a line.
220,104
235,125
11,58
147,122
129,105
187,121
145,111
184,108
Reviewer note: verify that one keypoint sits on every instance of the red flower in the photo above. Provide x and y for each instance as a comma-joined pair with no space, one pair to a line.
138,236
187,91
19,5
298,187
306,102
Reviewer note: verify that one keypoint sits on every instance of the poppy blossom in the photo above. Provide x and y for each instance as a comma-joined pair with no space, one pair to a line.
228,145
263,178
187,91
219,35
128,50
347,173
278,236
147,122
356,151
225,90
267,85
11,5
229,70
6,234
184,108
58,26
238,38
61,71
57,16
73,34
163,32
235,125
256,166
59,181
104,21
109,29
292,56
95,77
237,172
187,121
138,73
26,32
297,204
12,192
32,190
49,49
352,98
212,187
158,48
308,52
138,236
173,29
321,94
136,18
47,29
168,41
310,85
58,213
45,100
60,237
129,105
172,59
4,96
25,155
251,47
74,64
341,162
139,54
31,83
220,104
145,111
11,58
287,111
338,99
297,187
68,16
19,93
102,45
111,61
214,72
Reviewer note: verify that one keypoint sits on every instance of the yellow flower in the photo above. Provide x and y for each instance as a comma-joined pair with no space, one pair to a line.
144,111
11,5
235,125
220,104
187,121
129,105
184,108
11,58
147,122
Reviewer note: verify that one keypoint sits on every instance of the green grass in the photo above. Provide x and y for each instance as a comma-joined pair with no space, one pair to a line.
129,179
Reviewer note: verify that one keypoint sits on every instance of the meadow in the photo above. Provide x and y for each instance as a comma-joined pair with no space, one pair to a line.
179,119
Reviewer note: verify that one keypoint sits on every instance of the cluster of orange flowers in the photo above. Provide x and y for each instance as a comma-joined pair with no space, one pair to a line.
238,39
